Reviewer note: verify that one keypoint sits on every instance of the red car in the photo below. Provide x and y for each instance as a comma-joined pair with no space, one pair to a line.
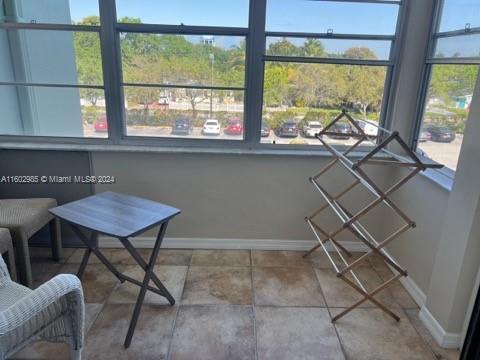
234,127
101,124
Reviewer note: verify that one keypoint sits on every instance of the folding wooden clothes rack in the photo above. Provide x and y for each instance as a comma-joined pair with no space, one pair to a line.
378,155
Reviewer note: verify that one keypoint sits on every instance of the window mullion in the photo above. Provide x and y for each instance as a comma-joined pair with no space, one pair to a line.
254,71
111,69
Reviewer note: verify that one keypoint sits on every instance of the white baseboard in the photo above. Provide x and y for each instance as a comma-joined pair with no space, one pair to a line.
228,244
444,339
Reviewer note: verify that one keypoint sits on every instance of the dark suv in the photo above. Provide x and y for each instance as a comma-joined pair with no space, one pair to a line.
288,129
340,129
182,126
440,133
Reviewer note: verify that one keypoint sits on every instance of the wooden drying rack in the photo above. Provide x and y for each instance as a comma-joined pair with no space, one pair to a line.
378,155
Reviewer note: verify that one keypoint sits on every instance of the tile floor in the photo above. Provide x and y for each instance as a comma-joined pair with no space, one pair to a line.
238,304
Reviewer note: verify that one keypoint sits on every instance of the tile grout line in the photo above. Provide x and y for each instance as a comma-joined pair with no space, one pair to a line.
169,350
344,352
254,308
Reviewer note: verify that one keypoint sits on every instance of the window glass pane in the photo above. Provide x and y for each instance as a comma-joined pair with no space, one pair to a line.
52,111
183,59
446,111
184,112
330,48
232,13
51,11
51,57
311,95
458,46
341,17
458,14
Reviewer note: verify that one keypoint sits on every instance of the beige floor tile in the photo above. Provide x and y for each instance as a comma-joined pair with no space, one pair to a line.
440,353
292,286
279,258
221,258
44,271
172,277
218,285
122,256
45,350
401,296
151,338
296,333
339,294
77,256
44,254
219,332
319,259
179,257
370,334
97,282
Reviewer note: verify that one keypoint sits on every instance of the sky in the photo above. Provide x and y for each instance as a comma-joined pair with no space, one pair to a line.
285,15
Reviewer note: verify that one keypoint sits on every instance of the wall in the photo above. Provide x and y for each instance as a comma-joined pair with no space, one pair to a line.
228,196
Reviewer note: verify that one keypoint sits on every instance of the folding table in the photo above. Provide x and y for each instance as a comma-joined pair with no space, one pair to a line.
120,216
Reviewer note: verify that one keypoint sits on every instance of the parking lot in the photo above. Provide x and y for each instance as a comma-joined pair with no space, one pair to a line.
444,153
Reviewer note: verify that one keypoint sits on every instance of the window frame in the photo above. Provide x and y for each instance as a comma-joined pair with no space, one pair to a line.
429,63
255,35
68,28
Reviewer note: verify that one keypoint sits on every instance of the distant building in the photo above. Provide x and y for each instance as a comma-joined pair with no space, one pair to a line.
463,102
208,40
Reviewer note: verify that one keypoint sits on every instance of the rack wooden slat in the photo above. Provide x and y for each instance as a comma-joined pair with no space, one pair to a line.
379,154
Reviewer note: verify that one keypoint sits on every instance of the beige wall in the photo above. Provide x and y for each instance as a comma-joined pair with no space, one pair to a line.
425,202
229,196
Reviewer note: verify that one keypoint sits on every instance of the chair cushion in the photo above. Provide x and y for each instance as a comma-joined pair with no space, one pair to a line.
11,293
25,216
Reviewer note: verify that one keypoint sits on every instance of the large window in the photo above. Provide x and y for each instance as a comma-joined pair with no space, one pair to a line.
193,73
51,79
322,57
452,71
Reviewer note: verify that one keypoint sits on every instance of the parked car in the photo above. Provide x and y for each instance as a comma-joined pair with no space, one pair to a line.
340,129
288,129
101,124
265,131
311,128
234,127
182,126
211,127
424,136
440,133
368,128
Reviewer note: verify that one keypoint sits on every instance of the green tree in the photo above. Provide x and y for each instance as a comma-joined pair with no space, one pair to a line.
276,84
283,48
313,47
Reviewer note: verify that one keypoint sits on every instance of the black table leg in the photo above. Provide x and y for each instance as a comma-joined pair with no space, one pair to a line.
92,247
148,275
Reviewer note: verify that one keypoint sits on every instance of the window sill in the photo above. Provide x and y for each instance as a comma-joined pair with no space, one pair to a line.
441,177
318,151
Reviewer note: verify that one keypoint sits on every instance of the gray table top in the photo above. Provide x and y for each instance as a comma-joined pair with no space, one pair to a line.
115,214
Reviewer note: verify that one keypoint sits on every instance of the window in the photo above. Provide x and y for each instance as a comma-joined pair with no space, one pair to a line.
174,85
176,81
452,71
193,73
51,80
322,57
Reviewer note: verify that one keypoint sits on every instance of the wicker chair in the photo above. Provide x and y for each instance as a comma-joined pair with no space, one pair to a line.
24,218
6,247
55,312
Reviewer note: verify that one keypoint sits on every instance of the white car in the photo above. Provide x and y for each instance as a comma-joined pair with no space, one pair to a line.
311,128
368,128
211,127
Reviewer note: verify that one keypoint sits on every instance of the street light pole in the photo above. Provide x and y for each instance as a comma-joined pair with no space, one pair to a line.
212,58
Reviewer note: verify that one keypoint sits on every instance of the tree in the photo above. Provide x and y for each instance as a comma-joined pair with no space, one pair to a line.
275,84
88,60
313,47
283,48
